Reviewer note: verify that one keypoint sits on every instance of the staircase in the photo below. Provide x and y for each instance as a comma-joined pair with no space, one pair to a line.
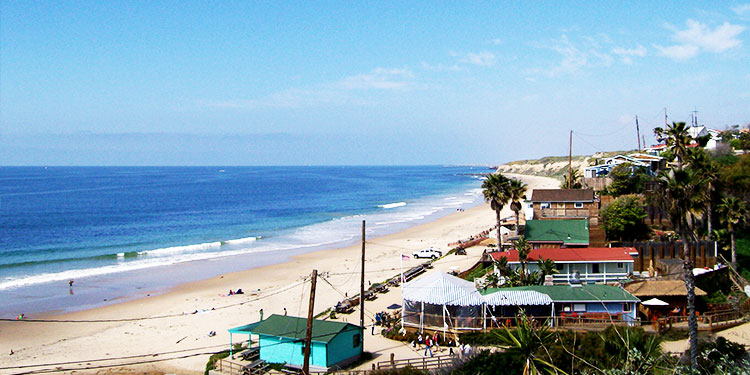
597,237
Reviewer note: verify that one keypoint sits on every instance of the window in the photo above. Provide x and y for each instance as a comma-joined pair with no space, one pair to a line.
620,265
559,267
578,205
356,340
561,205
579,307
626,307
546,205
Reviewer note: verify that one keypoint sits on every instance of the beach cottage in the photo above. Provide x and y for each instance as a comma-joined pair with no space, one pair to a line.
281,339
587,264
557,233
593,303
665,297
564,204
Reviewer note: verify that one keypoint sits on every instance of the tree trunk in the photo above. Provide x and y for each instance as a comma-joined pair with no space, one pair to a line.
518,223
687,265
708,213
499,236
734,254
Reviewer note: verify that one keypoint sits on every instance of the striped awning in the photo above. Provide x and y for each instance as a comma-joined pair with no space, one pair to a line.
439,288
517,298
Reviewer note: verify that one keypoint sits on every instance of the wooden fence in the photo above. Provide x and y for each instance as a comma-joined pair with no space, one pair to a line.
703,253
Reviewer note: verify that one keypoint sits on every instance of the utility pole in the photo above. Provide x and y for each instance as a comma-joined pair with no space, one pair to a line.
362,283
665,117
570,161
308,335
638,133
695,116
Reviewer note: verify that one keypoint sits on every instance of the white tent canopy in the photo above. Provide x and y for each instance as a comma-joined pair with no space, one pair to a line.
438,288
517,298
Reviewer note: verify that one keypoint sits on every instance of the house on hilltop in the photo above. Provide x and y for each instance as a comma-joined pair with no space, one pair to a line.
564,204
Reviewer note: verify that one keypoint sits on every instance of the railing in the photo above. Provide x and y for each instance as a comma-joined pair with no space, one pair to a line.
425,363
228,367
711,321
565,212
593,277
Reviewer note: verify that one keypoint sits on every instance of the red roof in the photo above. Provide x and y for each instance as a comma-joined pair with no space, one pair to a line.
581,254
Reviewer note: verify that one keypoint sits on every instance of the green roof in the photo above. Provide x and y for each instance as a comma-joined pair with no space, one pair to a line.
583,293
568,232
295,328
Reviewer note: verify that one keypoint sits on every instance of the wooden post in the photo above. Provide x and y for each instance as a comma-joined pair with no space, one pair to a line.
362,284
308,335
570,159
638,132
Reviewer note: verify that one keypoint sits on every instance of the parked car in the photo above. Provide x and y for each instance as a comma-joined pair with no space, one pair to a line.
428,253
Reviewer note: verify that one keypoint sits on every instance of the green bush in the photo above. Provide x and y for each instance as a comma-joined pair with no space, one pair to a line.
220,355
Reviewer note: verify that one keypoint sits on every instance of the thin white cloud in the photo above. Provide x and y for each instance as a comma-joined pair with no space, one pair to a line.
484,58
627,54
741,9
337,93
380,78
698,37
678,52
441,67
496,41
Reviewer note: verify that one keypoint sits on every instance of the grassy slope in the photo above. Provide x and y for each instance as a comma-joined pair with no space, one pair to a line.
555,166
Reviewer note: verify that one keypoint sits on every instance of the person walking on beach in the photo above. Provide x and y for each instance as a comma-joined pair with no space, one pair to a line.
285,311
261,314
428,346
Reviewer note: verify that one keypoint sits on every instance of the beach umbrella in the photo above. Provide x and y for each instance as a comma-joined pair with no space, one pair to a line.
654,302
394,306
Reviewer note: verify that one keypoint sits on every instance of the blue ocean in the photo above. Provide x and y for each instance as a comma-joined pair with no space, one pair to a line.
113,227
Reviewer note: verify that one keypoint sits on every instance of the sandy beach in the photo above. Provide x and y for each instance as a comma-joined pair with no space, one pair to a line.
158,331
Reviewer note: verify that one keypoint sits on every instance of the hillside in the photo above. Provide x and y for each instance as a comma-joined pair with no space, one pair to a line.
554,166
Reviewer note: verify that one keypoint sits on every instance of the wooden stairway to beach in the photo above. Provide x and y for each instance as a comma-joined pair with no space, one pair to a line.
597,237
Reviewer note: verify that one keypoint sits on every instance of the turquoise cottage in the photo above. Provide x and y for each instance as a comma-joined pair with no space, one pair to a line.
282,338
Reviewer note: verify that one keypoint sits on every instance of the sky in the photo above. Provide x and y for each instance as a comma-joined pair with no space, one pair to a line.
358,83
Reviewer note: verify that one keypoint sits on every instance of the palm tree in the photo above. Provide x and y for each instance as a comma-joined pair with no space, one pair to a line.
495,191
575,180
676,188
709,172
677,139
516,191
546,267
523,248
732,212
525,342
501,264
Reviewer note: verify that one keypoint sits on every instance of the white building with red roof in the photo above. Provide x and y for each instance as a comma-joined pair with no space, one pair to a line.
587,264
